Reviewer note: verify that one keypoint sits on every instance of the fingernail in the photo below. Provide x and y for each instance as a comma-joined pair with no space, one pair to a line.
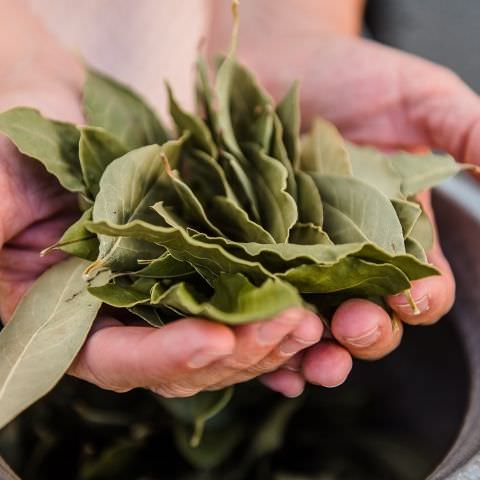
202,359
293,345
414,302
366,339
271,331
293,395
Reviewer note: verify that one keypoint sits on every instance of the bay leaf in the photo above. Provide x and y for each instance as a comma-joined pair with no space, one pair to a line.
357,277
373,167
45,334
414,247
288,111
190,208
211,258
165,266
77,240
309,202
205,176
205,97
197,410
235,300
421,172
323,150
149,314
235,222
129,187
283,256
308,234
278,210
54,144
408,214
120,295
97,149
200,135
422,231
251,109
120,111
353,209
279,151
241,184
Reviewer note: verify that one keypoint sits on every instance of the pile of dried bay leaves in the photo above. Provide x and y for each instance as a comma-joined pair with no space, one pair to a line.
234,216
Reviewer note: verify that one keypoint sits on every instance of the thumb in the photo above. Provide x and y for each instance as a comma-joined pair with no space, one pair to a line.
449,114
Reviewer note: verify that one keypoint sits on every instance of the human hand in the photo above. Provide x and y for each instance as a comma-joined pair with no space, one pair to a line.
380,96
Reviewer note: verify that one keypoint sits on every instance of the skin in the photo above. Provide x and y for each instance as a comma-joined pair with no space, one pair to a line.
396,101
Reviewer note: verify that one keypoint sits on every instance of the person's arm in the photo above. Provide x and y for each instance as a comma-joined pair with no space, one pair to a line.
35,69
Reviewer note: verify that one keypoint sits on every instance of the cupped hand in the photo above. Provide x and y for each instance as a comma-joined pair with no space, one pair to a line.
380,96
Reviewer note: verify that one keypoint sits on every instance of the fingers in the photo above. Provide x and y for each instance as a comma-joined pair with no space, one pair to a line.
433,297
327,364
264,347
190,355
170,360
365,329
290,384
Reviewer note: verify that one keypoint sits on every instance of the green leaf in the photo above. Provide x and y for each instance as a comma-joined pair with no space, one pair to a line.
421,172
309,202
120,111
308,234
408,214
278,210
149,314
271,432
354,212
198,409
283,256
129,187
200,135
44,336
414,247
251,109
279,152
205,176
351,275
190,208
97,149
235,222
423,232
77,240
208,257
54,144
245,110
288,111
373,167
241,184
324,151
206,98
235,300
119,295
165,266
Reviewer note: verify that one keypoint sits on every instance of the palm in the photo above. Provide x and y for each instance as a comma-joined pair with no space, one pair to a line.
34,211
381,96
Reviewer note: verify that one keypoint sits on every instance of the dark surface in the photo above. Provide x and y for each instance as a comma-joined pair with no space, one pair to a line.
445,31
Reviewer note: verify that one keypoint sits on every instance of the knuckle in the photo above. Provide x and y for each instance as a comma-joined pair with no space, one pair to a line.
237,364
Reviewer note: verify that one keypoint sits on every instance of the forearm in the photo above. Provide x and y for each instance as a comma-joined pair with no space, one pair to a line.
35,69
